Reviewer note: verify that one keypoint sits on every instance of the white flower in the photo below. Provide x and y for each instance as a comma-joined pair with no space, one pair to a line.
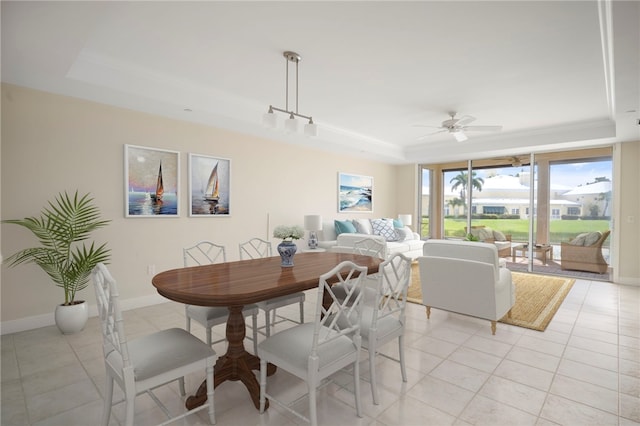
288,232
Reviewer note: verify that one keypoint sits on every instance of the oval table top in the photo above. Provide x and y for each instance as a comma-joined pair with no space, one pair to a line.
249,281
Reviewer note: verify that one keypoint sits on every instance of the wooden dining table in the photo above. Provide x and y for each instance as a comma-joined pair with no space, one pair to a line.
240,283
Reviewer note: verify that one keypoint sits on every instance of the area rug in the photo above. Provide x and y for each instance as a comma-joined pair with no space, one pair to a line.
538,297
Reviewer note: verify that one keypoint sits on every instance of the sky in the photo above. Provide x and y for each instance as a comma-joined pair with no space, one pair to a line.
571,175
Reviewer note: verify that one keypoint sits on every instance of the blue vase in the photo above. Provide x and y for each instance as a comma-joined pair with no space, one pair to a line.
287,249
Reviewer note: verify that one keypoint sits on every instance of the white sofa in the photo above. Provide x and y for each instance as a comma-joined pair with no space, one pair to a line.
465,277
410,245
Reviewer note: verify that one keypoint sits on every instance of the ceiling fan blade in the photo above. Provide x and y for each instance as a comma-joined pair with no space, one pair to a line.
430,134
460,136
426,125
482,128
465,119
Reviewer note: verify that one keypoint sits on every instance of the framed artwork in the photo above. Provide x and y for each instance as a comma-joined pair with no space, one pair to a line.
209,186
355,193
151,182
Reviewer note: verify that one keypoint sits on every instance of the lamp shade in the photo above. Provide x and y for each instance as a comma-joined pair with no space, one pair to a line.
311,129
405,219
291,124
269,120
313,222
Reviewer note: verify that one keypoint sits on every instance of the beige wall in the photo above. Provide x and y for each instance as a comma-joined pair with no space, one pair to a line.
52,143
627,213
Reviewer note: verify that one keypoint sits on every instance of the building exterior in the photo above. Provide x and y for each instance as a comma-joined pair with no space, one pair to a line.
509,195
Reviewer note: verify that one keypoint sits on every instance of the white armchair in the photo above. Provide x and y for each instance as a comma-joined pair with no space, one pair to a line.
465,277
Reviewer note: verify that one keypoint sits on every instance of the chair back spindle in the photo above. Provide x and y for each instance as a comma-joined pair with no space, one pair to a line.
114,337
343,315
255,248
204,253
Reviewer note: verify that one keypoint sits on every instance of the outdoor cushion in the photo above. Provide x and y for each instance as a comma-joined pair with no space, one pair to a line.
592,238
482,233
486,234
579,240
499,236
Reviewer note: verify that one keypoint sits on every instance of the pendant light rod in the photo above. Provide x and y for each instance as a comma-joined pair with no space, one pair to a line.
291,57
272,108
270,120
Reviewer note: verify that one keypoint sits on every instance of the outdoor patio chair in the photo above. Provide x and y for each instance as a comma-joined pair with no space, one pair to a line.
584,253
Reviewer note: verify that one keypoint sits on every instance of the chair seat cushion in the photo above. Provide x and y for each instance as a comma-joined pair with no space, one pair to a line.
501,245
293,347
163,351
280,301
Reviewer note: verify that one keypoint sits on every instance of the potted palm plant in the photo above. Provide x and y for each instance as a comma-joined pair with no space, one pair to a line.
62,228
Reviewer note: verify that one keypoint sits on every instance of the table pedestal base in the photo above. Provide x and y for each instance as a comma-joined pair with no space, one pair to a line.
236,364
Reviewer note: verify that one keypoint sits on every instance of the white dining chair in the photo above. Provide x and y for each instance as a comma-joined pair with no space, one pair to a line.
143,364
203,253
365,247
384,320
257,248
313,351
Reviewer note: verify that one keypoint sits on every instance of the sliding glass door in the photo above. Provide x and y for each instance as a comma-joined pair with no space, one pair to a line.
535,207
580,203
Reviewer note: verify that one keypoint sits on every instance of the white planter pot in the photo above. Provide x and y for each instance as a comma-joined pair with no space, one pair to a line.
72,318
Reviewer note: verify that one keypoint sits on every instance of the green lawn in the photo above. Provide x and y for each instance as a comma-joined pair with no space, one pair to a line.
560,230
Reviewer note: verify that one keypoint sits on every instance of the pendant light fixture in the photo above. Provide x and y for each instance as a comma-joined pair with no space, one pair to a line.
290,124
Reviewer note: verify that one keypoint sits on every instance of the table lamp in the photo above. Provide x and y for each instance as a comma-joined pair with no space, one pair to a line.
405,219
313,223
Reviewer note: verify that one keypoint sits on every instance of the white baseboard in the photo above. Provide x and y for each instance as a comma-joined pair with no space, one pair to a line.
37,321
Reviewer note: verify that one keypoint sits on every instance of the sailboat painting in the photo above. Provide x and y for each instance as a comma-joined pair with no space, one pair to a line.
152,182
209,185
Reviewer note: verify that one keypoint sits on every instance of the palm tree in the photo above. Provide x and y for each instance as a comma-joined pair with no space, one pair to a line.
462,181
454,203
606,197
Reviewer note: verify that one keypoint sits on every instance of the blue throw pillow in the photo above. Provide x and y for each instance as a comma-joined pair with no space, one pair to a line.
344,227
397,223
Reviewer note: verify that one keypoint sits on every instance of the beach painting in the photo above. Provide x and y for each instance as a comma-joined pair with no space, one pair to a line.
355,193
151,182
209,186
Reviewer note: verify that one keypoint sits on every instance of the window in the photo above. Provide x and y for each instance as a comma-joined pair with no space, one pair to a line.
422,226
555,213
515,211
494,209
573,211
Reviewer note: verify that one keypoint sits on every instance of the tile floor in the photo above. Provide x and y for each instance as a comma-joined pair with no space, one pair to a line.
583,370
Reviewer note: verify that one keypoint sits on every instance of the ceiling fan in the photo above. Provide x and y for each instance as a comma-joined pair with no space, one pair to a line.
515,160
458,126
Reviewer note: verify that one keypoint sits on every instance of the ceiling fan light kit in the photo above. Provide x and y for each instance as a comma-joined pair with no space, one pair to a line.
291,125
460,136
